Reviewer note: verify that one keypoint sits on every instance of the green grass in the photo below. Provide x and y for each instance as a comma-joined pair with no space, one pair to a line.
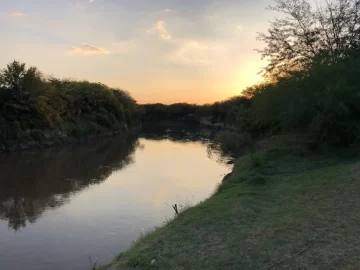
279,210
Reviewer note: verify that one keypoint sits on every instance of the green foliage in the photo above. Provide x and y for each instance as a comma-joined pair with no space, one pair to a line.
306,31
326,109
314,74
32,104
233,113
234,143
314,82
13,76
173,112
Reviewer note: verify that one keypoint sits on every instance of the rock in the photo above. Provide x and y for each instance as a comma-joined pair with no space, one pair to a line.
226,177
231,162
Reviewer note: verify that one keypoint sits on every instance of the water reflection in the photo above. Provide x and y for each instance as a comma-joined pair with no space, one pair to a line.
176,132
96,198
31,183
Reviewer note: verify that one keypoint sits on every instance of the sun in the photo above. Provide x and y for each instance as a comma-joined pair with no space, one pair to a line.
247,75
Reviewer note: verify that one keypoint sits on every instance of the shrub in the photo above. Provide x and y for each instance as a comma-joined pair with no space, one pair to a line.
235,143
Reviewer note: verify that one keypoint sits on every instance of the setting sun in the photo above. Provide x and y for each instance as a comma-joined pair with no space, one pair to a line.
248,75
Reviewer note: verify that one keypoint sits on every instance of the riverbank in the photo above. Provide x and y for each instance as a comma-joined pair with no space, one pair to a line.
282,208
45,139
56,139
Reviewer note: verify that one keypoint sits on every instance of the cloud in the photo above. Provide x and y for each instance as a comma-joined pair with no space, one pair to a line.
86,49
160,29
192,52
92,1
198,53
16,13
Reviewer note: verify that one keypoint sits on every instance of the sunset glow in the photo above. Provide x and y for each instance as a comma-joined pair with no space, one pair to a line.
196,51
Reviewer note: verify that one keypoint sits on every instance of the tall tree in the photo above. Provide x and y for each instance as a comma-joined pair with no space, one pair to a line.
329,31
12,76
20,80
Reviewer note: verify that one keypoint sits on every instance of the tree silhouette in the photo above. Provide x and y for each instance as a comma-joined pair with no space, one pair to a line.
306,33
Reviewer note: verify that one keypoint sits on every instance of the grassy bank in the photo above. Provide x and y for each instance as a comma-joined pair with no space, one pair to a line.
281,209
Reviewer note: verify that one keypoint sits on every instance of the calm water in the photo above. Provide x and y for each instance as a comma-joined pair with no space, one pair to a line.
59,207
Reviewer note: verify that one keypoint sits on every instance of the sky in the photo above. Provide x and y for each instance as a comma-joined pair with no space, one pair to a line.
167,51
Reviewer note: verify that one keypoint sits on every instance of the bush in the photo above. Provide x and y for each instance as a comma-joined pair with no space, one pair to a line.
327,110
29,101
103,121
37,135
234,143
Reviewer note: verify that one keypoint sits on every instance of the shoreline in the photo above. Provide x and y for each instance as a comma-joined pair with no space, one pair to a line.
59,141
275,204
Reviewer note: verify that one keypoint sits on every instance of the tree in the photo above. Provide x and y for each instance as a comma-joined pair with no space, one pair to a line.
128,102
11,77
326,32
33,81
20,80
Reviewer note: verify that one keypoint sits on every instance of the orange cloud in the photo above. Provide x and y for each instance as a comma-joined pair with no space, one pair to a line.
87,49
16,13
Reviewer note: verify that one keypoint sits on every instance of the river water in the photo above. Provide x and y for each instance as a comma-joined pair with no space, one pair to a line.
61,207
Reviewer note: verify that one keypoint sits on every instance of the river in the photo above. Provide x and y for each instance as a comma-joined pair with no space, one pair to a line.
63,207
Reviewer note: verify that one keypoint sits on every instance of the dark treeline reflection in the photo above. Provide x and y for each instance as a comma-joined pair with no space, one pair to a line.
176,132
31,183
182,133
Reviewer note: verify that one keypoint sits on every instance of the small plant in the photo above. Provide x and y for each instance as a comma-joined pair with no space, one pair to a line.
175,207
234,143
181,207
94,265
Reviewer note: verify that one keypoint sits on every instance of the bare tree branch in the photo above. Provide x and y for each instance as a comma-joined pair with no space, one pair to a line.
330,31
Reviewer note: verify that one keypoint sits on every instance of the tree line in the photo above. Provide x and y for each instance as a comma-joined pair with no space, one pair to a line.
312,80
313,76
35,108
222,112
312,87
